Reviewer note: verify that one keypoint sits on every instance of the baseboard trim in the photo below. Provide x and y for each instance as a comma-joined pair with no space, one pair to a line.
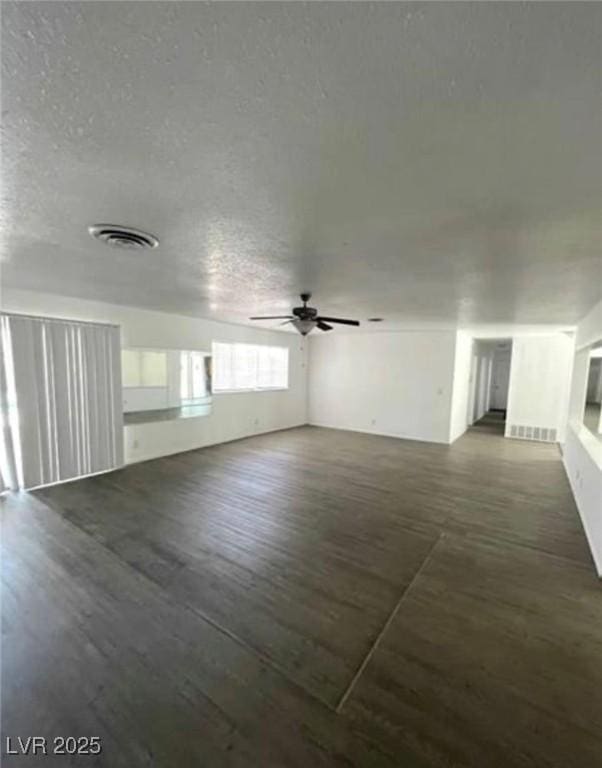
396,435
152,456
453,439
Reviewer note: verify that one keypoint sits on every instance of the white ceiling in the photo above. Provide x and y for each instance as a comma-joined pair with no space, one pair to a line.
422,162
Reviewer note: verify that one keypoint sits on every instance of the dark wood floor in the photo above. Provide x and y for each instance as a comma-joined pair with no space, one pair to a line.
308,598
493,422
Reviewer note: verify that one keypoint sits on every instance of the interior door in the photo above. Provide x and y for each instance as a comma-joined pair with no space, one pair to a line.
500,380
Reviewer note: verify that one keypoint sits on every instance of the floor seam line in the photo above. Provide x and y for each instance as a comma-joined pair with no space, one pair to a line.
243,643
347,692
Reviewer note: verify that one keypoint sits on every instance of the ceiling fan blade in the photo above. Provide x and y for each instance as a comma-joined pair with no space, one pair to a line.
323,326
340,320
286,322
272,317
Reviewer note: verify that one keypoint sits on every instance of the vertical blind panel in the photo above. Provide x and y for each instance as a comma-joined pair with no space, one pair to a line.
67,379
8,450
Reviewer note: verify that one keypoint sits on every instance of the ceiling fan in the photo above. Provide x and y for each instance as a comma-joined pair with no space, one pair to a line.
305,318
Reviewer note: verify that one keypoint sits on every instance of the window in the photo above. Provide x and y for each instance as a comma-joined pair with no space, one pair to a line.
240,367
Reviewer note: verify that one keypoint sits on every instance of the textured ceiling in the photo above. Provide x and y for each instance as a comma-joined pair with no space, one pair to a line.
422,162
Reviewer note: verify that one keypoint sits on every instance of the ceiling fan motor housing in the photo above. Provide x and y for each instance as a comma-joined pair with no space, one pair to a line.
305,312
305,318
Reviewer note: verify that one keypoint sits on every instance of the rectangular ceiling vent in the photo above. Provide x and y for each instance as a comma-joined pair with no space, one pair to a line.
542,434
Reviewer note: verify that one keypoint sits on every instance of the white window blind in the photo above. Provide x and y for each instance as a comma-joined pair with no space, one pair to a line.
244,367
60,400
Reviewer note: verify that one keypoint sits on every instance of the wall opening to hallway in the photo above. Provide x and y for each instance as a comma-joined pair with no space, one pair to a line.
489,385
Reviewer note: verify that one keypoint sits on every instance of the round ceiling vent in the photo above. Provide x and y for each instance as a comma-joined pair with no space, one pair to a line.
123,237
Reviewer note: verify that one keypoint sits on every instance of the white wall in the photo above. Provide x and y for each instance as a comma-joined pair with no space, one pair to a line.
589,329
500,378
464,385
582,451
578,385
540,376
395,383
482,365
233,416
430,385
584,472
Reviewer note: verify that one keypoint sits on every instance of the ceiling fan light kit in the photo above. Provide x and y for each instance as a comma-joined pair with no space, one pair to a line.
305,318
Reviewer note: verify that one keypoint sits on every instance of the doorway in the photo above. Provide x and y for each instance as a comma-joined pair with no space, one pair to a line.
489,385
500,377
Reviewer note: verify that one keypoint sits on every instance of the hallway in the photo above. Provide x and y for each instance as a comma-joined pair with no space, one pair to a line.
493,422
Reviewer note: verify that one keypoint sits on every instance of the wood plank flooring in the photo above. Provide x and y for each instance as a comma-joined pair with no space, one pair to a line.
308,597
